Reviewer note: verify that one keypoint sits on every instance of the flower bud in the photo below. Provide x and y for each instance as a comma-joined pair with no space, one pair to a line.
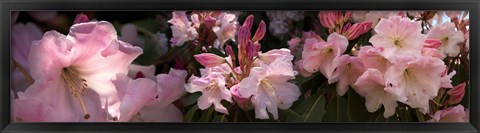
327,19
456,93
248,22
81,18
209,59
354,31
432,43
260,32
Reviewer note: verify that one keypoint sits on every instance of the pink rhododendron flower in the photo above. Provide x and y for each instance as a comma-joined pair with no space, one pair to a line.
320,56
452,114
397,36
449,37
134,95
456,93
268,87
73,75
182,29
417,79
294,44
348,71
371,58
169,88
226,30
371,85
212,86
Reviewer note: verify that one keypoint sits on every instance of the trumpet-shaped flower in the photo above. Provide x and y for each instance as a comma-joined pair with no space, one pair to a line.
169,88
371,58
371,85
348,71
397,35
212,86
73,74
449,37
226,30
182,29
268,88
415,78
134,95
320,56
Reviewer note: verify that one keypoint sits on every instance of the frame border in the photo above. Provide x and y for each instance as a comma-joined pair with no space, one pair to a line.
145,5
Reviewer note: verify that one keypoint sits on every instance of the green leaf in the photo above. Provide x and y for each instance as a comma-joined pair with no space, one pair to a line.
336,110
357,112
190,114
220,118
191,99
207,115
420,116
310,110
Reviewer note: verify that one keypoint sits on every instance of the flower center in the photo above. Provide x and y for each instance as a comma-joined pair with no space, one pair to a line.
76,85
398,43
212,89
269,89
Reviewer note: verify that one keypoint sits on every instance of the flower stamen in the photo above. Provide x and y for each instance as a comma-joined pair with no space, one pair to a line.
77,87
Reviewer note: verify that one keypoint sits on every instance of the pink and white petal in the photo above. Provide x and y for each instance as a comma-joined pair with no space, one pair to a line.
169,87
248,86
49,66
204,102
196,84
286,93
139,93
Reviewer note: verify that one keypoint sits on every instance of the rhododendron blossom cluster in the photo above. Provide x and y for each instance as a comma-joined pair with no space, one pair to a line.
246,66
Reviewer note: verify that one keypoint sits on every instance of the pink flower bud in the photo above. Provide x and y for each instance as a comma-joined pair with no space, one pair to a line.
243,37
80,18
209,59
248,22
432,43
357,29
260,32
456,93
327,19
229,51
251,50
348,14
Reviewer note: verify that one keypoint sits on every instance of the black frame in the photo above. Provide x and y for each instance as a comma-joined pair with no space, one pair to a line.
8,5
